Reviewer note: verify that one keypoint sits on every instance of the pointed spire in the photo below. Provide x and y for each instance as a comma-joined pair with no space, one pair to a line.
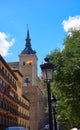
28,49
28,38
27,32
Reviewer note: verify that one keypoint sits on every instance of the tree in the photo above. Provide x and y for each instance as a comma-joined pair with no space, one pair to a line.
67,80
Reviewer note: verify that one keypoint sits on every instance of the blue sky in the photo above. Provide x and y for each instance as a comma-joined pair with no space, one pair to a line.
48,22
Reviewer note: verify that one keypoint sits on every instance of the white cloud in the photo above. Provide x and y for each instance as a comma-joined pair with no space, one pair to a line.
5,43
73,23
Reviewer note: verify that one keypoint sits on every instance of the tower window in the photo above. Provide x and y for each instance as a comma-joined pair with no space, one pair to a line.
27,80
24,63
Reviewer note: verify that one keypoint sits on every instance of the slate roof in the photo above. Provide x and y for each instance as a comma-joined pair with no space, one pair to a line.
28,49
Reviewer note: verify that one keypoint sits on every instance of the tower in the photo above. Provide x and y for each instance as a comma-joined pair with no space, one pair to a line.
28,62
28,68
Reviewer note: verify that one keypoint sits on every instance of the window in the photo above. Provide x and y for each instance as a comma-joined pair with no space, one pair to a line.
23,62
27,80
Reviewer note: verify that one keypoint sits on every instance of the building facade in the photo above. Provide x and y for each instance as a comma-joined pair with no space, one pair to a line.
24,103
13,105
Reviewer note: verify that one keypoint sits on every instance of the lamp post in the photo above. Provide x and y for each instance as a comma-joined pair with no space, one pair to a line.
47,74
53,100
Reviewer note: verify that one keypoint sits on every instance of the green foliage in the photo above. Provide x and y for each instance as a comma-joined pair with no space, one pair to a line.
66,83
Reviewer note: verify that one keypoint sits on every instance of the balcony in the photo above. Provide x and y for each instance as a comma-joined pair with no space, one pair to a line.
5,76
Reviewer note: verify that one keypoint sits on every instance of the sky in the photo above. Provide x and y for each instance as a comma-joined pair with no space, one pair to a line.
48,21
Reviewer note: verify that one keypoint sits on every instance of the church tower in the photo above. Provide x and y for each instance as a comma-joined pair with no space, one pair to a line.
28,68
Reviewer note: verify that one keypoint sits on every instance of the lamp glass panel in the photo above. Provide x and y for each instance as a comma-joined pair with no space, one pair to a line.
49,74
44,74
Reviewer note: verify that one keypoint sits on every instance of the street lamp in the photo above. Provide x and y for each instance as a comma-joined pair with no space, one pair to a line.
53,100
47,75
